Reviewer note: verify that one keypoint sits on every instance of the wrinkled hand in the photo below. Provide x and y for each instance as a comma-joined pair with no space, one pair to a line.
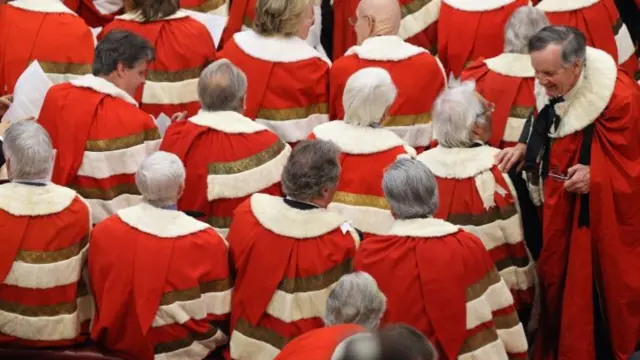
5,102
509,157
579,176
179,116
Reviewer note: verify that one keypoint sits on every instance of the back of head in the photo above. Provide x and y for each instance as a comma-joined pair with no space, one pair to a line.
525,22
154,9
367,96
222,87
120,47
411,189
572,41
280,17
160,179
28,151
386,15
312,167
356,299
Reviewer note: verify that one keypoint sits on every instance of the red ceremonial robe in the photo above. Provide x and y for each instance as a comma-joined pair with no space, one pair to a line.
606,251
419,24
184,47
228,157
161,283
44,232
319,344
38,30
288,82
470,29
600,22
286,262
507,81
214,7
96,13
474,194
448,289
101,138
365,153
418,75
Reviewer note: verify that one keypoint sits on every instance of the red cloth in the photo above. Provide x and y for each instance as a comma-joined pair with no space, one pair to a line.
241,13
318,344
344,35
90,13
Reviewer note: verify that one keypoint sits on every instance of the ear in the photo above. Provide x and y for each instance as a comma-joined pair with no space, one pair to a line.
120,68
180,190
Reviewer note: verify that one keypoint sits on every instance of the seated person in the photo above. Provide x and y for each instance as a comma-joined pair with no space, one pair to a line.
287,254
159,277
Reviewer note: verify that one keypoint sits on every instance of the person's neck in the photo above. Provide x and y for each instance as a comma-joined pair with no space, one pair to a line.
315,202
576,85
383,32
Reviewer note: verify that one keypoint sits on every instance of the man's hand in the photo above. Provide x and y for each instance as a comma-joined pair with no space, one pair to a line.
5,102
509,157
579,176
179,116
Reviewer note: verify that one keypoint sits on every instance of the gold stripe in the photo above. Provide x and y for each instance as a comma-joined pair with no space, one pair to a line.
507,321
261,334
293,113
479,288
479,340
106,194
617,26
413,6
52,67
220,222
50,257
520,112
361,200
124,142
171,297
316,282
208,6
508,261
407,120
174,76
185,342
248,163
487,217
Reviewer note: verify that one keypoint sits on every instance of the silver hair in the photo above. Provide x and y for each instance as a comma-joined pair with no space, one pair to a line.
525,22
411,189
222,87
159,179
356,299
368,94
312,167
456,110
27,147
571,40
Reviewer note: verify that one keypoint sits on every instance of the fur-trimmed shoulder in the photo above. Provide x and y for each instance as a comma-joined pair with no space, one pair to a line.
564,5
276,49
428,227
357,140
385,48
43,6
475,5
229,122
275,215
103,86
26,200
160,222
459,163
137,16
590,97
515,65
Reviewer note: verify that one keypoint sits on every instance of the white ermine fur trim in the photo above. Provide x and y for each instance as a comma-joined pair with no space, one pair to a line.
412,24
160,222
364,218
475,5
459,163
103,86
244,347
358,140
229,122
515,65
428,227
564,5
43,6
137,16
276,48
26,200
385,48
590,97
275,215
626,48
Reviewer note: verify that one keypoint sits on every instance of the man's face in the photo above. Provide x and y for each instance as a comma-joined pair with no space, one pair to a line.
130,79
483,131
556,79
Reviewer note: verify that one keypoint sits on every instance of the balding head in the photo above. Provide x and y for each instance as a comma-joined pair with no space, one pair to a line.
377,17
222,87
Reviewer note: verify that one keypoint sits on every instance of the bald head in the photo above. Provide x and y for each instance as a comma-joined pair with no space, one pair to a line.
222,87
385,14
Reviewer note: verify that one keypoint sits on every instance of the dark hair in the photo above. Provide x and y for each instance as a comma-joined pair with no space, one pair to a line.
571,40
120,46
312,166
155,9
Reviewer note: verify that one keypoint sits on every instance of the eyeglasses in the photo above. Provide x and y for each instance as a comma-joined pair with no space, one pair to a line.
354,19
490,108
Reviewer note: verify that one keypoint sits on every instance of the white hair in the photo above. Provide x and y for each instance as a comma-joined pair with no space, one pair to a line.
27,148
356,299
368,94
159,179
456,110
411,189
525,22
222,87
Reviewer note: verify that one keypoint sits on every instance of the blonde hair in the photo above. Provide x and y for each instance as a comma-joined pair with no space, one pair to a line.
279,17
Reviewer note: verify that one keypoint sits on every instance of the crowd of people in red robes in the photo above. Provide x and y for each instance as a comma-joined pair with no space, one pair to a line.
320,180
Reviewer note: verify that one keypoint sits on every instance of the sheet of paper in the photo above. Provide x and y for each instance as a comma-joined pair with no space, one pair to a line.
28,94
214,23
163,122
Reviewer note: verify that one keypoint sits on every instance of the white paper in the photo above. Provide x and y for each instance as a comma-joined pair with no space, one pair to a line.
214,23
163,122
96,31
28,94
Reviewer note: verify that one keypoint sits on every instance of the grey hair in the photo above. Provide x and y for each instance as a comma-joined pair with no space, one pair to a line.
356,299
312,166
525,22
159,179
368,94
222,87
120,46
411,189
27,147
456,110
571,40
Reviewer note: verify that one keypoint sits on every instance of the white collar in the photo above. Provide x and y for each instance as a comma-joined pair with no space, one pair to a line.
509,64
229,122
160,222
349,138
276,48
137,16
459,163
385,48
425,228
26,200
478,5
564,5
43,6
103,86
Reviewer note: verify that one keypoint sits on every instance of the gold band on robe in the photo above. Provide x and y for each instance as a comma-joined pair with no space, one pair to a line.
292,113
248,163
316,282
123,142
346,198
50,257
